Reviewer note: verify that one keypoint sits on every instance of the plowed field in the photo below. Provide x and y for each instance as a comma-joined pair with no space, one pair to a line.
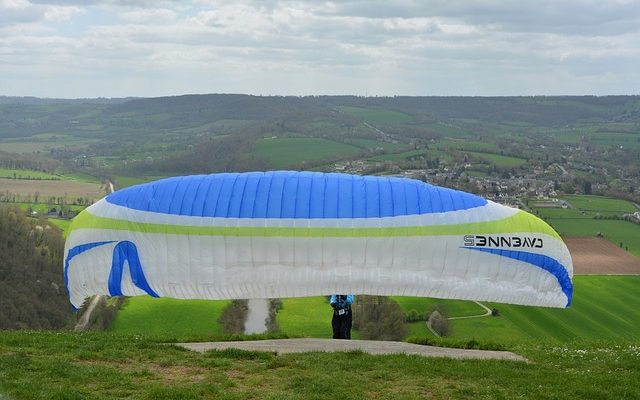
599,256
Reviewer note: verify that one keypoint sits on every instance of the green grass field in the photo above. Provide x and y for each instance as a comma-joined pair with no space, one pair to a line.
455,308
82,177
290,152
39,175
595,314
42,143
559,213
306,317
600,204
604,308
581,222
373,144
26,174
608,139
126,181
66,365
44,207
170,318
616,232
376,116
63,224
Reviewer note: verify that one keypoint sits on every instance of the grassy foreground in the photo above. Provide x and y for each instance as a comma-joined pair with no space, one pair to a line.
56,365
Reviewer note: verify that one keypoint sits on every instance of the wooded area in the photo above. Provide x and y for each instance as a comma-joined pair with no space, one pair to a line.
32,290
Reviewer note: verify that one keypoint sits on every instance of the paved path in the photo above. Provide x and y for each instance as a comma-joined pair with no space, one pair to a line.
487,312
83,322
368,346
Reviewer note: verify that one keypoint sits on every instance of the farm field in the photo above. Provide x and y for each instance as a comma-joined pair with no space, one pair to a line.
46,188
43,208
81,177
615,139
597,255
580,221
373,144
548,213
29,174
600,204
615,231
289,152
43,143
26,174
126,181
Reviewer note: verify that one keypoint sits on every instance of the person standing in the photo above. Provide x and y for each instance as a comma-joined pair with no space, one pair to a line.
342,318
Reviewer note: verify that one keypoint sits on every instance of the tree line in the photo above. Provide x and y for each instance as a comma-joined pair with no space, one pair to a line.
32,290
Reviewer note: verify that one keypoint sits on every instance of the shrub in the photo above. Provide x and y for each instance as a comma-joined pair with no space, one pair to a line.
234,316
379,318
412,316
439,323
275,305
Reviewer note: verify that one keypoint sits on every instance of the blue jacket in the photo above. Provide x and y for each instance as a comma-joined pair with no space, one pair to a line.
346,303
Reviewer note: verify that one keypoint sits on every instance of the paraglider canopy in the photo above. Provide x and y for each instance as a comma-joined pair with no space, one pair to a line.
294,234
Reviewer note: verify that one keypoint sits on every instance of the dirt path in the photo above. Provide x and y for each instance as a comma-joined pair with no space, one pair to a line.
284,346
487,312
83,322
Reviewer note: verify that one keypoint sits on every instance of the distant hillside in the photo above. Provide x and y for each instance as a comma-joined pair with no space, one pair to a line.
38,100
26,116
163,136
32,291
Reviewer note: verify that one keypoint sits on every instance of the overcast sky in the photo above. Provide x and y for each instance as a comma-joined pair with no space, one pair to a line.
117,48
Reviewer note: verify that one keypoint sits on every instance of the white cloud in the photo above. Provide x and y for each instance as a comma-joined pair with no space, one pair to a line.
305,47
158,16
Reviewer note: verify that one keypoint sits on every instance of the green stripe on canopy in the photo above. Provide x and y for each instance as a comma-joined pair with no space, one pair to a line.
519,222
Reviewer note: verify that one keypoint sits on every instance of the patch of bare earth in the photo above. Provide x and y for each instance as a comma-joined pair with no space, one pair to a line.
167,374
177,373
599,256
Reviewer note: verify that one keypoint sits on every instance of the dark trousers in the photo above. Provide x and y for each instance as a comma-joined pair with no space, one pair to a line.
341,325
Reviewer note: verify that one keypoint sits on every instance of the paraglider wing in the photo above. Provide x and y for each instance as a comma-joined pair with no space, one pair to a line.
295,234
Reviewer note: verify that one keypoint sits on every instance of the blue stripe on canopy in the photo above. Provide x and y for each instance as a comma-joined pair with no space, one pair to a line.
547,263
291,194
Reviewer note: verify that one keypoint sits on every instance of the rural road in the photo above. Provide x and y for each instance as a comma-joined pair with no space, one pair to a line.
83,321
368,346
487,312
